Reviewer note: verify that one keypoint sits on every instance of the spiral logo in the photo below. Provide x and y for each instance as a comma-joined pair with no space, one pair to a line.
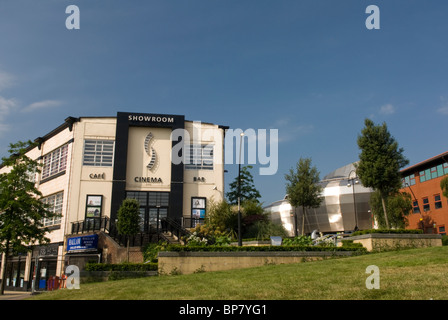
149,141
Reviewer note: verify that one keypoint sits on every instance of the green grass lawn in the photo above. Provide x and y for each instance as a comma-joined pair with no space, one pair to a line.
407,274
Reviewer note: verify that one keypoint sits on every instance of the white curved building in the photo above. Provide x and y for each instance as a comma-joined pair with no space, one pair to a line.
345,206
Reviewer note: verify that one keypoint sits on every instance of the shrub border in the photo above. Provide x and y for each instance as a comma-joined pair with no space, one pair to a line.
387,231
180,248
93,266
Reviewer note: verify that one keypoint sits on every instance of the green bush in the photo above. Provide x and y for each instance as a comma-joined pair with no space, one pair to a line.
151,251
180,248
350,244
444,240
298,241
394,231
264,230
121,266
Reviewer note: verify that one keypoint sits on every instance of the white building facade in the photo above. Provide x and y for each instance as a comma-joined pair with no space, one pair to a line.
173,167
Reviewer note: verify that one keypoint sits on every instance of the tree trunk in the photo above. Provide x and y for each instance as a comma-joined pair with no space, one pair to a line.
385,211
127,250
296,224
303,221
5,265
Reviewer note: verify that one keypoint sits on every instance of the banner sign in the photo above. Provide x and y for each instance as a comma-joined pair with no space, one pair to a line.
84,243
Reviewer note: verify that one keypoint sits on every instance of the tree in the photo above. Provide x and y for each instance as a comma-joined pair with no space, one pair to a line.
22,210
399,206
128,223
380,161
444,186
248,190
220,216
303,189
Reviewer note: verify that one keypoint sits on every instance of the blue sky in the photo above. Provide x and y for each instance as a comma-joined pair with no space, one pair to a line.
309,68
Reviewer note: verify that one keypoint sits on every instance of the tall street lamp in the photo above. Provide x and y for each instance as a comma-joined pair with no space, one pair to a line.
418,206
240,240
352,182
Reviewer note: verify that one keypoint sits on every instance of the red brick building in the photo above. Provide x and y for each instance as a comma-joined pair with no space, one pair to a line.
430,207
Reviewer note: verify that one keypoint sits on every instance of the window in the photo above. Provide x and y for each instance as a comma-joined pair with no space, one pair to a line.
55,205
415,207
422,176
426,206
408,181
442,230
434,172
55,162
437,201
199,157
98,153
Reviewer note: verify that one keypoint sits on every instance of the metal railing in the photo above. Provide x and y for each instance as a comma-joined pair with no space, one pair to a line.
174,227
177,228
91,225
104,225
188,222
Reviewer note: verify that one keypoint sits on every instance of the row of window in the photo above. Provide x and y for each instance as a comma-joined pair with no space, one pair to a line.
54,203
426,204
100,153
55,162
425,175
434,172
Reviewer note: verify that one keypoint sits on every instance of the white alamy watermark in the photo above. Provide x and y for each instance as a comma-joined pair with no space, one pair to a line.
73,277
373,280
258,146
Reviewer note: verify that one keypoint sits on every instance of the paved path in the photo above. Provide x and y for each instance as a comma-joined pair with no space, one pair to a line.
15,295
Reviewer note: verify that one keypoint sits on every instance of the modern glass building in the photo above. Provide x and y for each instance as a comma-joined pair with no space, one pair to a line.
345,206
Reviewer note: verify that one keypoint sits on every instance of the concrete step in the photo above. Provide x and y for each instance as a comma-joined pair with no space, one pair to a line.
170,238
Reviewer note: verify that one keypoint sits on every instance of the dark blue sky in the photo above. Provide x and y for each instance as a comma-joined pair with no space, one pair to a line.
309,68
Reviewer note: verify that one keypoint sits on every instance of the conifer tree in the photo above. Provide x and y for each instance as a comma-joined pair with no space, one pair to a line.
248,190
380,161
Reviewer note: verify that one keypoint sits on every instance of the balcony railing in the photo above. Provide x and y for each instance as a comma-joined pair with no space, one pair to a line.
178,228
91,225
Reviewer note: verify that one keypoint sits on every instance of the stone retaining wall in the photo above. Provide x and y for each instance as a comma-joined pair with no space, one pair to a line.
194,262
386,241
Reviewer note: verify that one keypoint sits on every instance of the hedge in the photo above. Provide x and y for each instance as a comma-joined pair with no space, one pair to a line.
445,240
91,266
180,248
389,231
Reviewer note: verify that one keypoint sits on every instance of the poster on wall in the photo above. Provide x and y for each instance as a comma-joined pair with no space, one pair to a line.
94,206
198,205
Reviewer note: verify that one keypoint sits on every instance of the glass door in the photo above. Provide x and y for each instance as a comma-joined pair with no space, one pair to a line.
155,215
153,207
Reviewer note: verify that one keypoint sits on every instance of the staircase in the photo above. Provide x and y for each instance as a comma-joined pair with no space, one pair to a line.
172,231
170,238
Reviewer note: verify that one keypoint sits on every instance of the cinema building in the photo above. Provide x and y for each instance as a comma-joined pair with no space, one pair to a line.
172,166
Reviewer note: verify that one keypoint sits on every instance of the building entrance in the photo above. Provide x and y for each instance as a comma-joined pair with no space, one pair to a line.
154,206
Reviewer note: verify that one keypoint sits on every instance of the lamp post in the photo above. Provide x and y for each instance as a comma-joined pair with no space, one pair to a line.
418,206
240,241
353,181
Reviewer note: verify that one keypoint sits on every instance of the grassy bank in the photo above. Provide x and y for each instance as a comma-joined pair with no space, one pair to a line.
406,274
